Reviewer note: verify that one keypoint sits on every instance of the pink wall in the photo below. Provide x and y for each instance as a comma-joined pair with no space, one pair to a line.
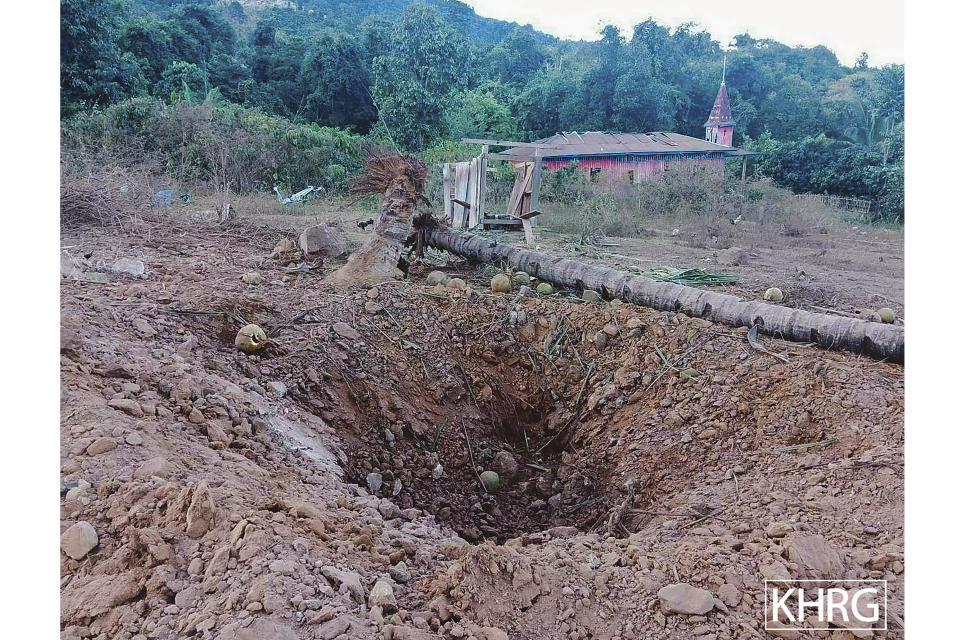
620,167
720,135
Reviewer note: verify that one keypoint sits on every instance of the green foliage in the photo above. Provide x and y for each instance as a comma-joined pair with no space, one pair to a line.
336,82
417,73
182,81
242,148
426,63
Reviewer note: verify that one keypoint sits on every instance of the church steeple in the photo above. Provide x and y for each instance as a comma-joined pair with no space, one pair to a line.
720,124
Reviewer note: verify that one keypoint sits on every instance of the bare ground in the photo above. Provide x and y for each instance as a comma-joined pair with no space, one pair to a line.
231,494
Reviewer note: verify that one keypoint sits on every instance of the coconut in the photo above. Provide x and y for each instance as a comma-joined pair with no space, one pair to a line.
490,480
437,277
773,295
251,338
589,295
521,277
500,283
456,283
886,315
545,288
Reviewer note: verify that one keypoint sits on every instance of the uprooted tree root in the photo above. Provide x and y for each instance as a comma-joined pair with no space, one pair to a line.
401,179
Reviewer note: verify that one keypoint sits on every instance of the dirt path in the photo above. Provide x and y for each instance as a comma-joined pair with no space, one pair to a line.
327,487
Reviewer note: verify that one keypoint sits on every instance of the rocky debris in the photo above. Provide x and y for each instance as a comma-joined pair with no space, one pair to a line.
201,511
79,540
729,594
373,405
374,482
153,467
323,240
600,340
732,257
348,582
685,599
144,328
87,596
589,295
814,556
101,445
129,266
128,406
260,629
381,595
344,330
506,465
252,278
778,529
334,628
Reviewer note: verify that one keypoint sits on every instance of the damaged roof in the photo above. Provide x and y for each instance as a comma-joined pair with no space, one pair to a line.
720,115
594,143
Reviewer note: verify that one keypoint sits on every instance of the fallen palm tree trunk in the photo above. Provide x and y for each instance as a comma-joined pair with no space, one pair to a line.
878,340
401,179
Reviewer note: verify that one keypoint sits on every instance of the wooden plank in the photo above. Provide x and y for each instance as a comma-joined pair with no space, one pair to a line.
473,214
447,188
535,186
482,198
459,212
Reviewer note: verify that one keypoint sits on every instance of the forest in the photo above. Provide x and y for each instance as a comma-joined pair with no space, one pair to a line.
317,82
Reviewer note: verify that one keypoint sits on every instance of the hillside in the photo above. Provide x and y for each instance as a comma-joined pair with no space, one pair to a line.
421,73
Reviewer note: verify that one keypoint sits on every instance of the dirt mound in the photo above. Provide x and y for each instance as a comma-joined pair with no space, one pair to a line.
329,486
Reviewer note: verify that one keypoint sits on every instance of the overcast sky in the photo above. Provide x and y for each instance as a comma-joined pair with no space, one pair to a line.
845,26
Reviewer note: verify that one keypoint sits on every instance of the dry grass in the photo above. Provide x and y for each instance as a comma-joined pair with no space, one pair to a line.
105,198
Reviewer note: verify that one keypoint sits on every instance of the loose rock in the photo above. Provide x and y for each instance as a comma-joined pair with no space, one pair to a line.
79,540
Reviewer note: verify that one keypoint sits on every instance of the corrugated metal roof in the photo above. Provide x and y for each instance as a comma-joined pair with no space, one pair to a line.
594,143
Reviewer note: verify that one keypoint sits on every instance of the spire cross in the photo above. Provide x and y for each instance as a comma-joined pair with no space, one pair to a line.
723,78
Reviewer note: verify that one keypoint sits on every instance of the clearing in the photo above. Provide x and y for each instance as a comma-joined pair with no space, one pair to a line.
328,486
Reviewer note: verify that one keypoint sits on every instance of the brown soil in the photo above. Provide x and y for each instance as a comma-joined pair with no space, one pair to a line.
628,477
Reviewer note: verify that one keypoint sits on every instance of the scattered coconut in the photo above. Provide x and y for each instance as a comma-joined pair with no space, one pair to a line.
886,315
500,283
545,288
490,480
521,277
437,277
457,283
251,338
773,295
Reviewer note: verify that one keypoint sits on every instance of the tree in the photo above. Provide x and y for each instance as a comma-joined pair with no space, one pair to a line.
90,60
336,82
182,81
428,60
516,57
